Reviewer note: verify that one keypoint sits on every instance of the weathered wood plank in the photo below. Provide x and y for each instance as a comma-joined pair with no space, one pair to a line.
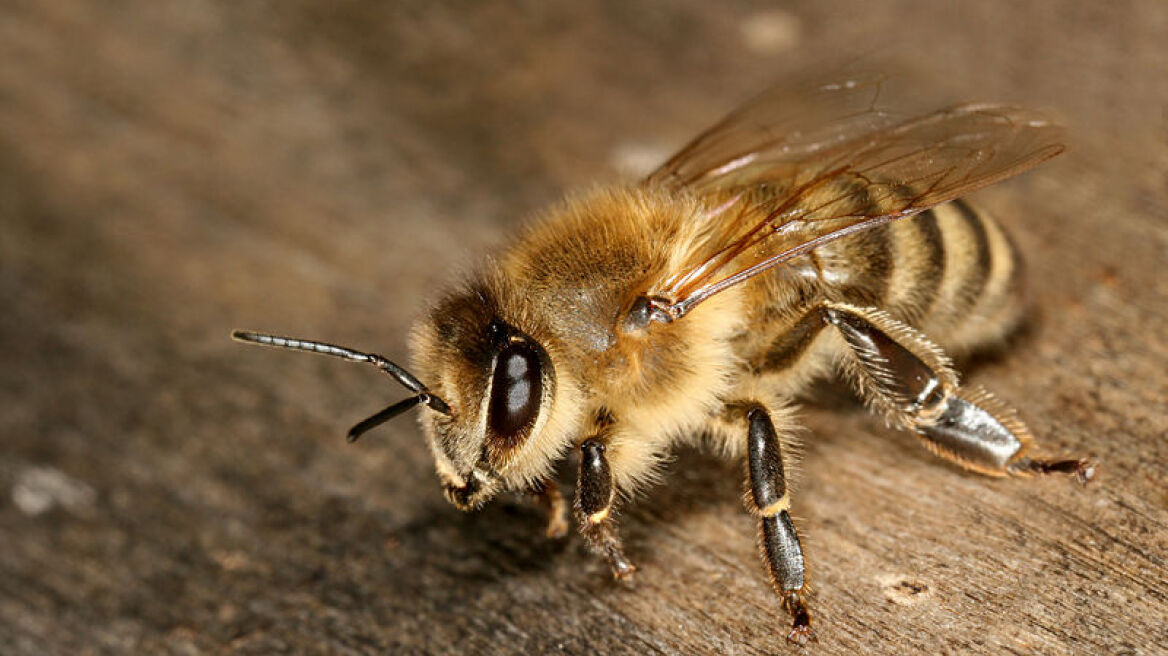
169,171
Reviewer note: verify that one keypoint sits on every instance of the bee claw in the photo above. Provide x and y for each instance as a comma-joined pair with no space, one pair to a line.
1082,469
801,632
801,635
1085,471
623,570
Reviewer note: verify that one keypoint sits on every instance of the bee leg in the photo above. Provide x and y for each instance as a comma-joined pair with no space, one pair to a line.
770,500
594,499
547,495
906,377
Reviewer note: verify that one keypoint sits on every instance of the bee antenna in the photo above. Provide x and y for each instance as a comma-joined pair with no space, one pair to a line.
422,395
368,424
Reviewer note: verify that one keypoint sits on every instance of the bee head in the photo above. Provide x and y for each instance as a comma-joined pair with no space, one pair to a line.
486,402
500,384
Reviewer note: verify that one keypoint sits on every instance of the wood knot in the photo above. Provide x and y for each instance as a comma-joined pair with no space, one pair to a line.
905,590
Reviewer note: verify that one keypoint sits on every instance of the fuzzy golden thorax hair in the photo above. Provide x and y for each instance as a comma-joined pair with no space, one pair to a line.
563,285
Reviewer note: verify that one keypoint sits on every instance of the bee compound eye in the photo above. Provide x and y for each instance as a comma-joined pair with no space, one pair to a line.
516,388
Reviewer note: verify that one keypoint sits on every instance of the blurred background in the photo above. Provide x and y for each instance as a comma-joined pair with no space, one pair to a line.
172,170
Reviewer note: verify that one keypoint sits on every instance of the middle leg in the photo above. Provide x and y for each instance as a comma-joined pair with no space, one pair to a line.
770,500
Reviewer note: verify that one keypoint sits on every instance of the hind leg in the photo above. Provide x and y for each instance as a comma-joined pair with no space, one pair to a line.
903,375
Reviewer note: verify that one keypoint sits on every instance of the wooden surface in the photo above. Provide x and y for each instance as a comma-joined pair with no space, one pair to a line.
172,170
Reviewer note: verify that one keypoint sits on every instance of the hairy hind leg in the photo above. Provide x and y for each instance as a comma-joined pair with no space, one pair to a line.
903,375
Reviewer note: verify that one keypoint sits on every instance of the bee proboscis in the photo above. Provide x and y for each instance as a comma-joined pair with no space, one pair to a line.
806,235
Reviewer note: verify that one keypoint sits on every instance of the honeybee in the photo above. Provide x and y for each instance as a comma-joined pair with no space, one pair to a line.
805,235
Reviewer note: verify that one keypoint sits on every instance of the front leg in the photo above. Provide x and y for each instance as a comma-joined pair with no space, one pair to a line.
770,501
594,498
547,494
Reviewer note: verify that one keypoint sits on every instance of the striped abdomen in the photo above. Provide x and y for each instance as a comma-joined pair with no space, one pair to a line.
951,272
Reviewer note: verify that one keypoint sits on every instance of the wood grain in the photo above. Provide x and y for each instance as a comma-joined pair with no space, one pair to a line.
172,170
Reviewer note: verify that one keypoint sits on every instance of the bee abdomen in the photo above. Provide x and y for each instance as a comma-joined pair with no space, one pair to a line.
950,271
959,276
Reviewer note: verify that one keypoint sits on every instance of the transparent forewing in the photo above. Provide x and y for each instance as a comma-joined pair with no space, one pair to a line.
864,167
784,123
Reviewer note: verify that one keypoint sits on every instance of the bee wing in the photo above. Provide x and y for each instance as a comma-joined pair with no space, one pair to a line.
785,186
784,123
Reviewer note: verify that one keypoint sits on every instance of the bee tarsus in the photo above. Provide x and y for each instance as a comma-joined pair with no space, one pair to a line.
547,494
801,632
